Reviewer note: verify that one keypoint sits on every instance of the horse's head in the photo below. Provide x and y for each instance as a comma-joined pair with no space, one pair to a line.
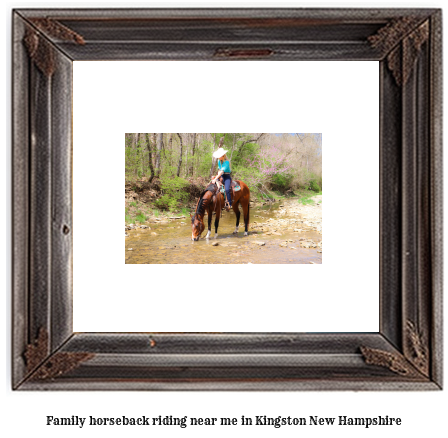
197,227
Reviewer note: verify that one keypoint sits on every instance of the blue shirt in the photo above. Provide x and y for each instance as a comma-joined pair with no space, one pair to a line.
225,167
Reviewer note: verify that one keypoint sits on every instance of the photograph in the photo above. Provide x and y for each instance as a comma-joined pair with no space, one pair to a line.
245,198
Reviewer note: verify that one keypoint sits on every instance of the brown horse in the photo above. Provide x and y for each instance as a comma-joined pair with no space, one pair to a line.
213,202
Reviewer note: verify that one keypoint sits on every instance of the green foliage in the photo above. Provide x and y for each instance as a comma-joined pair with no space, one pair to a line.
282,181
136,161
305,201
249,175
156,213
128,219
305,198
133,204
241,154
141,217
173,189
314,186
166,202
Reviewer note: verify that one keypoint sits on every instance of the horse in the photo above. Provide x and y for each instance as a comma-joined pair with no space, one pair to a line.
212,200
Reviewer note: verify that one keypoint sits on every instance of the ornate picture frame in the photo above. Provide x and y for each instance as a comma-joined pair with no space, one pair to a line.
406,353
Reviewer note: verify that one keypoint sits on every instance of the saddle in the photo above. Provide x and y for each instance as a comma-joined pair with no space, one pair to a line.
234,187
211,188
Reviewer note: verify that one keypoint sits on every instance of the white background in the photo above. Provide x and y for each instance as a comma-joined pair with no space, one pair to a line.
111,98
24,413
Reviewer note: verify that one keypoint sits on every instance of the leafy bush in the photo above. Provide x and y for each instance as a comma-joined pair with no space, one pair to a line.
141,218
282,181
173,189
314,186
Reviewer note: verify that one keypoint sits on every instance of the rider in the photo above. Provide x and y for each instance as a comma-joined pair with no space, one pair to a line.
224,171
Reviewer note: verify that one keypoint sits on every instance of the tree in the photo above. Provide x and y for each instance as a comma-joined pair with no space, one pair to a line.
159,149
250,140
180,155
214,160
151,167
191,169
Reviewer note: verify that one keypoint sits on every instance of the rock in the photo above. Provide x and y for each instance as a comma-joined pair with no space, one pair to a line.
297,230
283,244
153,233
215,244
274,233
144,226
126,235
259,242
308,244
130,249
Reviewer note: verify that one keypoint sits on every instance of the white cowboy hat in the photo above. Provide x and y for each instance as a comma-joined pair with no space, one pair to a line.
219,153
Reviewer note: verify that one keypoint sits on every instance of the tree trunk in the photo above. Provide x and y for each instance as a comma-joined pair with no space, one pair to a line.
134,146
252,140
233,146
186,155
214,160
128,140
151,167
170,148
159,149
180,155
191,171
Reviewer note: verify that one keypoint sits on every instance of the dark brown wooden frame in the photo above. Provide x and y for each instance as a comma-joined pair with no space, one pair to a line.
406,354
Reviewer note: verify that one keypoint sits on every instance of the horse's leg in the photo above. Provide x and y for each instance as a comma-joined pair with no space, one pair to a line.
210,215
237,213
245,204
218,215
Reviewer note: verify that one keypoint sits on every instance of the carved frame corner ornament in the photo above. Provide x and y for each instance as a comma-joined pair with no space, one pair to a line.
40,365
406,353
402,56
414,364
40,49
